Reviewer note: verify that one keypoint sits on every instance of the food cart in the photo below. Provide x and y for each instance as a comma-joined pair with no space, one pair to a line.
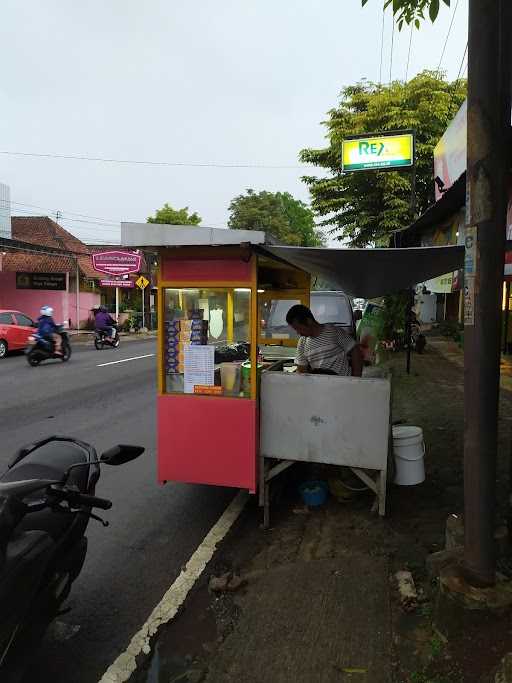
231,411
214,297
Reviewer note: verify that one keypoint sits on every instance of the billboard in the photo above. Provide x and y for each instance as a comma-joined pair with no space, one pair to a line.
451,150
380,151
116,262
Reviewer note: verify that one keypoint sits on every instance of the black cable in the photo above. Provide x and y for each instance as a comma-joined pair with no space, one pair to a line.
392,46
382,46
408,55
62,216
207,164
447,37
71,213
455,84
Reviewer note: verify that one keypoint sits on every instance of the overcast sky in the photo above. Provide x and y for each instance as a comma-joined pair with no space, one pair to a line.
230,81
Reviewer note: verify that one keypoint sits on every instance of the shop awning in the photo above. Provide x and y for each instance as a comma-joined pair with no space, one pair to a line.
370,273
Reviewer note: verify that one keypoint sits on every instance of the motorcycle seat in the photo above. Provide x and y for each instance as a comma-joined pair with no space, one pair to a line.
50,461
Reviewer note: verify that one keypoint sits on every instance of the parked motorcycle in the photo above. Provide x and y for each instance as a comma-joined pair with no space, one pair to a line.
40,349
46,502
418,340
101,339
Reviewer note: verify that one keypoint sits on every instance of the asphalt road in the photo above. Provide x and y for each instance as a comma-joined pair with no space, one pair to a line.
154,529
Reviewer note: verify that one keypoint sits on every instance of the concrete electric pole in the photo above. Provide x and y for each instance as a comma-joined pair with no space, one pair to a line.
488,164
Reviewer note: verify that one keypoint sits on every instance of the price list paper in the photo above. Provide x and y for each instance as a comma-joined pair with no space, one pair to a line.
199,366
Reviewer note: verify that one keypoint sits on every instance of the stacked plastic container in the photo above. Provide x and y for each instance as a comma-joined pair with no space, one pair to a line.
179,333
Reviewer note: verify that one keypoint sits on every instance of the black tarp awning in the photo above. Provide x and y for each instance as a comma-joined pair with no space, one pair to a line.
369,273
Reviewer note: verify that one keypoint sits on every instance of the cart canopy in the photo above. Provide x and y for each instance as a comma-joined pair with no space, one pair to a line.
366,273
370,273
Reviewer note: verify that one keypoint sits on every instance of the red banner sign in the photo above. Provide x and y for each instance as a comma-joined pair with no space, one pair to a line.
116,262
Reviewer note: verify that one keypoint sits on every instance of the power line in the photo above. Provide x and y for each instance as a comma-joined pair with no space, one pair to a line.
62,217
71,213
462,62
382,45
408,55
392,46
456,83
205,164
447,37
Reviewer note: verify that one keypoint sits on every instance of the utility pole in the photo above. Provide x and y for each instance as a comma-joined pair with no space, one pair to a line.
77,294
488,162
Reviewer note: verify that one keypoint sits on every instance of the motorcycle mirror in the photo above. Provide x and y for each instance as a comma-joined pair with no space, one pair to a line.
118,455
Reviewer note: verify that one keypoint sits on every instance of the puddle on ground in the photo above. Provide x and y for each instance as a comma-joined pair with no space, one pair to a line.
182,646
164,668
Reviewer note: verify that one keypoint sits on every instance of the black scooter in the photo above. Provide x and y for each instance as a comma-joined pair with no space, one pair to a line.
40,349
100,339
46,501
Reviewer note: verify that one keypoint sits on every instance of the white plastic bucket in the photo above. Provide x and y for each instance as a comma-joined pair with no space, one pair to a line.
409,452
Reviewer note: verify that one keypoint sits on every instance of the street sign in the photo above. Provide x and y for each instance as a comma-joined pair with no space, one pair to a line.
50,281
116,262
378,151
125,284
142,282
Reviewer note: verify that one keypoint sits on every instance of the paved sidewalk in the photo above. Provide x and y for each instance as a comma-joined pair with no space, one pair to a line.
310,621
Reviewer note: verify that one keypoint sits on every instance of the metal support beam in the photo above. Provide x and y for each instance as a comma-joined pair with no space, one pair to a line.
487,165
77,295
506,314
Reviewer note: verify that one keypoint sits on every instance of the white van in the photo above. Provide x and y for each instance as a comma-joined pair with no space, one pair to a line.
327,307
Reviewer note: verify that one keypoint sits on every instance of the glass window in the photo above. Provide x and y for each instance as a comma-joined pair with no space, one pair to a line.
23,320
331,308
327,308
5,319
242,314
207,336
273,318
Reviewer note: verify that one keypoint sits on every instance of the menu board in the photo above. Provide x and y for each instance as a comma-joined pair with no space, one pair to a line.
199,367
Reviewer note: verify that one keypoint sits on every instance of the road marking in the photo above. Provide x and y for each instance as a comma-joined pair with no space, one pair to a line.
167,608
125,360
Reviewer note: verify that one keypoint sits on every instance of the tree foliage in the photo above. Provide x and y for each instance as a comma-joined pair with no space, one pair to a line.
172,216
364,207
408,11
287,218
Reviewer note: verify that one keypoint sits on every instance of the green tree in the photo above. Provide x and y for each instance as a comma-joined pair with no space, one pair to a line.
407,11
287,218
364,207
175,216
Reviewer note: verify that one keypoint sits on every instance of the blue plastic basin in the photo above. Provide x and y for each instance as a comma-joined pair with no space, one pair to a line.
314,493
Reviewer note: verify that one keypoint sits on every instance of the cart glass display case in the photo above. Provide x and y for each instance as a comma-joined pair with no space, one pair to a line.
214,303
218,319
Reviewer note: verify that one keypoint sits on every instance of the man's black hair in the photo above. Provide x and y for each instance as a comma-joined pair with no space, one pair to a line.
299,314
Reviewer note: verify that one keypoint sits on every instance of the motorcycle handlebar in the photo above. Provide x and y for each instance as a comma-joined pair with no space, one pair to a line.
94,501
77,498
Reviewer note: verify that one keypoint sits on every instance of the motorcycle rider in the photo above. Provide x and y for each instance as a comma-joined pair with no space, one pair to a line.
104,322
48,329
